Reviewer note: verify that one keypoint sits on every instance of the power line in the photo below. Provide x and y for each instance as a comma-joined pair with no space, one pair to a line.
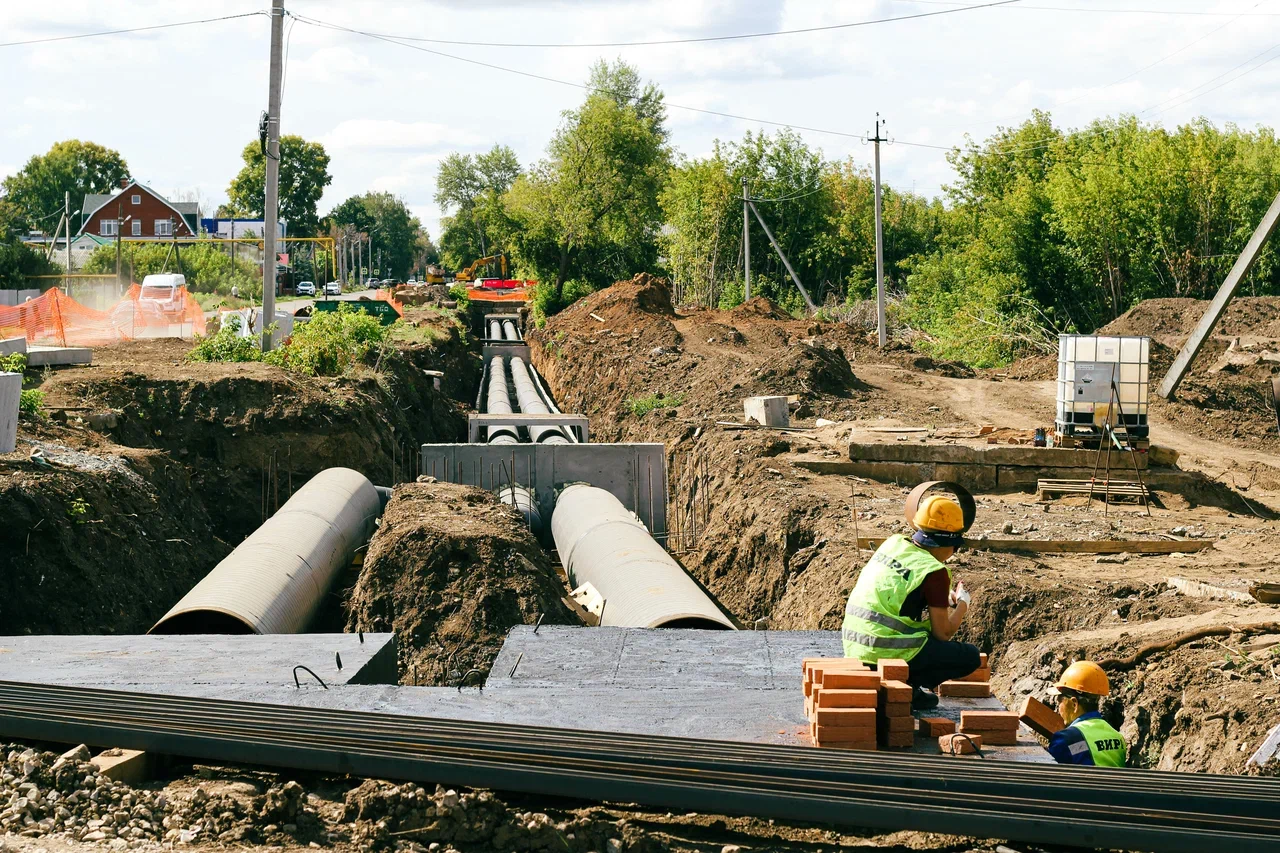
1212,80
130,30
699,39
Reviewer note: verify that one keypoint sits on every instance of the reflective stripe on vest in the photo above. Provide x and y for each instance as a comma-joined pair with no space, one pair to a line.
1106,745
874,625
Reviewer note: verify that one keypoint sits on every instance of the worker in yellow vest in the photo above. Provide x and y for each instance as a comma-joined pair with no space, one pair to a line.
1088,739
903,605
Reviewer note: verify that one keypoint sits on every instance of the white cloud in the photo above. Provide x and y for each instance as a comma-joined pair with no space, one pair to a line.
390,135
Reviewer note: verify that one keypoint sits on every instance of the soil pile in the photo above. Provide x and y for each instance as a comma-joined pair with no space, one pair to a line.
97,539
451,570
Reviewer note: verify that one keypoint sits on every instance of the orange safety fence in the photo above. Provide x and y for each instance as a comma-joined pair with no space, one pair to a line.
55,319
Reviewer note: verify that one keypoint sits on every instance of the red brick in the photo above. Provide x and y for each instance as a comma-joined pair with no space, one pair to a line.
988,721
977,675
1005,738
848,717
893,692
1040,717
898,739
897,724
815,667
847,680
843,734
985,661
893,669
937,726
869,745
964,689
896,709
958,744
834,698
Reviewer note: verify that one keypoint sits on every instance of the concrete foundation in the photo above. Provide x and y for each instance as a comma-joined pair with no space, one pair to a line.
769,411
8,346
157,663
58,356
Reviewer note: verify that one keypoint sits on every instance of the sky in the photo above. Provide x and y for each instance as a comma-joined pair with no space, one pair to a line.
181,103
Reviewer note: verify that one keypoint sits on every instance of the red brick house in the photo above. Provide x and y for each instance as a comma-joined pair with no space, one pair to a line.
138,211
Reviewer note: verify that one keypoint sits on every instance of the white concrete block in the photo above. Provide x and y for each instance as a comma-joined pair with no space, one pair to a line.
58,356
769,411
10,394
8,346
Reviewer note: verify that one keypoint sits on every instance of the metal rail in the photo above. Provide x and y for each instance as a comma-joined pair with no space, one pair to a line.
1084,807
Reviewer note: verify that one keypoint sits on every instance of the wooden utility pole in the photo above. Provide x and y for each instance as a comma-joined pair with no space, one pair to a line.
119,223
67,201
1172,379
882,331
270,208
746,244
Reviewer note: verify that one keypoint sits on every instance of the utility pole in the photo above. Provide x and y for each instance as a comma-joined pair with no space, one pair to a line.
67,210
359,261
746,245
119,223
880,319
273,174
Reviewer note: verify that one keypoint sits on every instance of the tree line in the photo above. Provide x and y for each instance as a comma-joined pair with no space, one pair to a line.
1044,230
33,200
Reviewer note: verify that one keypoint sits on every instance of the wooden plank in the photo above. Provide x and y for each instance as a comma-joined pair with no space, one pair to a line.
1071,546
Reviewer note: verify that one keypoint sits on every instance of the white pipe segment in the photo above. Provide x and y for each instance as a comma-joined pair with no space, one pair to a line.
509,331
531,404
495,330
600,542
275,580
499,403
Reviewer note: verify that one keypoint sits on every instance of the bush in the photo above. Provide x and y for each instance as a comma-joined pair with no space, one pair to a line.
330,343
643,405
458,291
226,344
31,401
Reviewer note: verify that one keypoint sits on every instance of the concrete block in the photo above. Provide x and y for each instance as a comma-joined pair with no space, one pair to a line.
905,451
10,395
1160,455
131,766
8,346
769,411
906,473
975,478
58,356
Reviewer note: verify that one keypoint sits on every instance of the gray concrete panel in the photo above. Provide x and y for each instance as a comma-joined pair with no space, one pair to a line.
635,474
153,662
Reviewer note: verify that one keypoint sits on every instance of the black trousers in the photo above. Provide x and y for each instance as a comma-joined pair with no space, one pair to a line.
941,661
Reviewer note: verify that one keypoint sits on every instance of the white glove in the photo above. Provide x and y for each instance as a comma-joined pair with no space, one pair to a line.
962,594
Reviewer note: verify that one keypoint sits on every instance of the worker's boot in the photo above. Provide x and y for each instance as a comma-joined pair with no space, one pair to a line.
922,700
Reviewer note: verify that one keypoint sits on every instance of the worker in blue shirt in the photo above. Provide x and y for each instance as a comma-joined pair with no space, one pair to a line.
1088,739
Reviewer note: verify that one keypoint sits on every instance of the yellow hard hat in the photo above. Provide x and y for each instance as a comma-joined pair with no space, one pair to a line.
1085,676
939,514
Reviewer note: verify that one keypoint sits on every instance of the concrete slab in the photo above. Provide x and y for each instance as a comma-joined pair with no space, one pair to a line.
58,356
8,346
155,663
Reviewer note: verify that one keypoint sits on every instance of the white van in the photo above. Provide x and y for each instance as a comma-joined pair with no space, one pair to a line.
162,291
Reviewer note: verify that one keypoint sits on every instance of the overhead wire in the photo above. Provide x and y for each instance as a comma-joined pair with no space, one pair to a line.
149,28
700,39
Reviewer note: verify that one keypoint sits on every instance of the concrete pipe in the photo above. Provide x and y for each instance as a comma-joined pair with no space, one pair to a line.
509,331
498,402
276,580
531,404
600,542
522,500
495,330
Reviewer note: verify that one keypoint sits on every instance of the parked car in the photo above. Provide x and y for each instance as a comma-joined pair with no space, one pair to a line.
333,289
306,288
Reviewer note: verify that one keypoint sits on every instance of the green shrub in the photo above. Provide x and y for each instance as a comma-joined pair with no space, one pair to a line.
639,406
330,343
13,363
226,344
458,291
31,404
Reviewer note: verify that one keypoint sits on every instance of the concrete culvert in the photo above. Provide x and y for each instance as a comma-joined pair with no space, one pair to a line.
601,543
274,582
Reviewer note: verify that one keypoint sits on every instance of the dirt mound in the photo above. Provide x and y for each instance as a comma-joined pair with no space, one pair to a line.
97,540
450,571
1171,321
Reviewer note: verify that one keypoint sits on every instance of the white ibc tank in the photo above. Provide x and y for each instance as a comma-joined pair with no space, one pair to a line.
1088,366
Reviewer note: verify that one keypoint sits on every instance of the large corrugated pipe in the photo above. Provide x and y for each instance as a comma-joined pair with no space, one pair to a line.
499,403
274,582
531,404
602,543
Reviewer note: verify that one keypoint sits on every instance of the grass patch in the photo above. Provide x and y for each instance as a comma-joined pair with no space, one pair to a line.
640,406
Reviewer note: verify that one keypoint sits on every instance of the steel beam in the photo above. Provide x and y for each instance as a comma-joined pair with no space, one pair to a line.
1172,379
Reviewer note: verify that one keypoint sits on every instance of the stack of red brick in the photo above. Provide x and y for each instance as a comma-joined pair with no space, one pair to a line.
852,706
975,685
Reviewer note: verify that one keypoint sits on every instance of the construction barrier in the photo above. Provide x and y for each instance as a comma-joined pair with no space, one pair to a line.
55,319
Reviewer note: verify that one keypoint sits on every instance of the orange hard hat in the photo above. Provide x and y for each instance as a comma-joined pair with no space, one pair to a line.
1085,676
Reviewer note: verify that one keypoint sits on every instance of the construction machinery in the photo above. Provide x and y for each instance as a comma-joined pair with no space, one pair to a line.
480,265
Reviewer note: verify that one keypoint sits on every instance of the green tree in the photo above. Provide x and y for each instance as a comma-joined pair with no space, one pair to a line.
36,192
18,262
392,229
589,212
472,186
304,173
207,265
